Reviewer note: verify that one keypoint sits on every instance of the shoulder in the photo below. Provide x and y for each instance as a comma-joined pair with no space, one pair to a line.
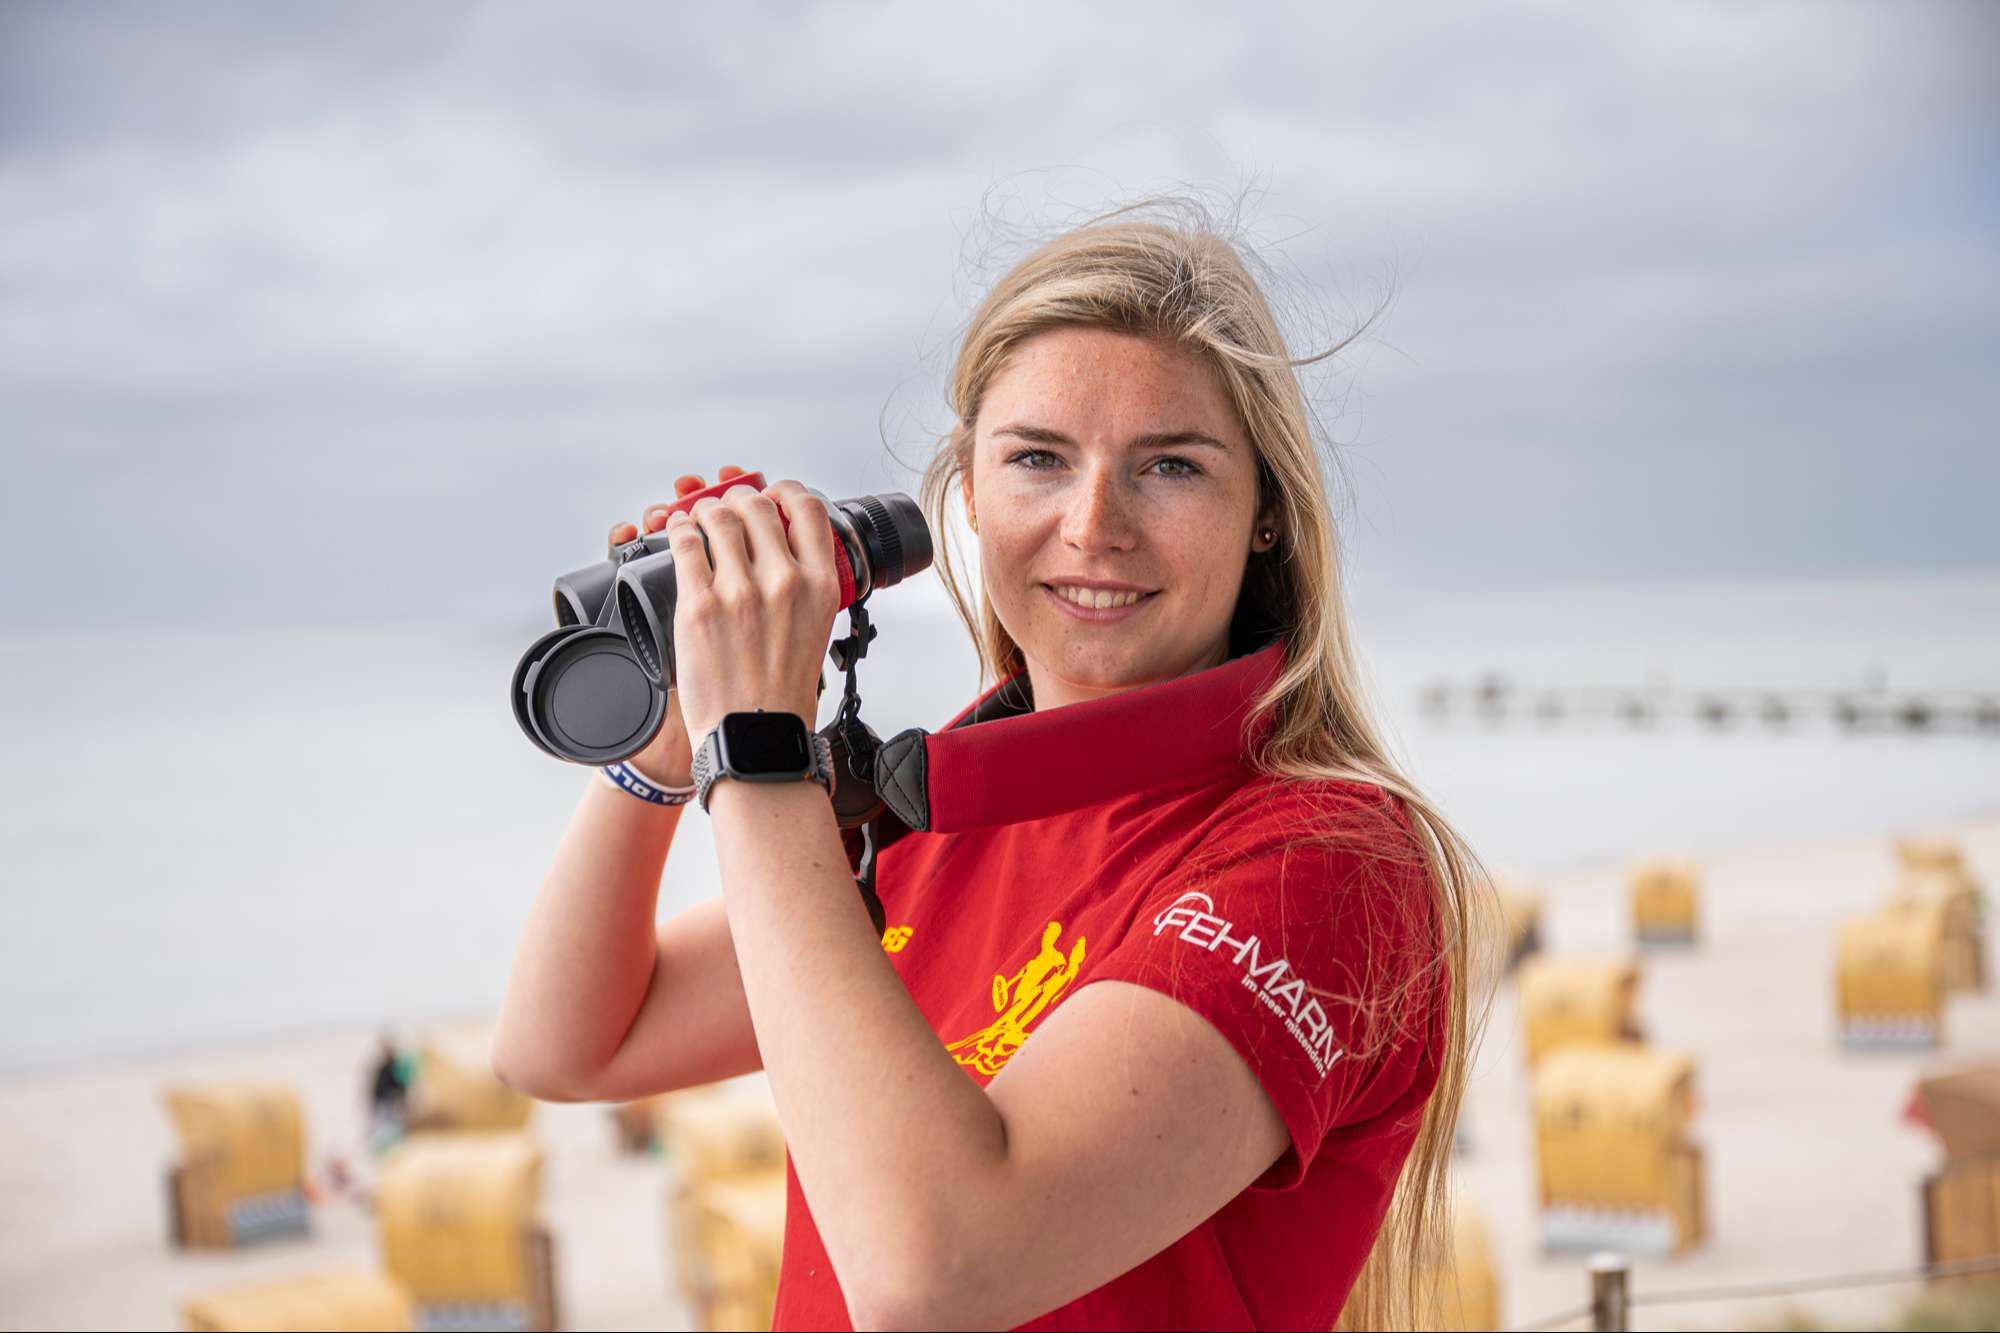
1332,868
1332,824
1302,924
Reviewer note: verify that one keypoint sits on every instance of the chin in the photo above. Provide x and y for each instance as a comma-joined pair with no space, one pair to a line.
1107,667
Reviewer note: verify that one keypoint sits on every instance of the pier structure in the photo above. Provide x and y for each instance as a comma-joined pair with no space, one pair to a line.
1493,699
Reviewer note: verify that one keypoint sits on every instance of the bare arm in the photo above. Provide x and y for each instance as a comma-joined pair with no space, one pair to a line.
600,1005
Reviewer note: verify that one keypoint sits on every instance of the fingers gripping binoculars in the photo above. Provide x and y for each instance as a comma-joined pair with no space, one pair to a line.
593,690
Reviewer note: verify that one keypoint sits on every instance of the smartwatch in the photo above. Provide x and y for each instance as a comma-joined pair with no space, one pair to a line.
762,747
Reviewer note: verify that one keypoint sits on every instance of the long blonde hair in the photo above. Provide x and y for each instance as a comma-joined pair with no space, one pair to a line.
1162,269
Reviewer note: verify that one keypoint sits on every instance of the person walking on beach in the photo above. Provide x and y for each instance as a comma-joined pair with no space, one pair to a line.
388,1095
1168,1023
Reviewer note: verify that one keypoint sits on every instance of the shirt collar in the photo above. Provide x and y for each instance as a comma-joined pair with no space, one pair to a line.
996,763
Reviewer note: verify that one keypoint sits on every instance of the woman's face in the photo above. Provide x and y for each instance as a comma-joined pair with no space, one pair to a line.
1106,465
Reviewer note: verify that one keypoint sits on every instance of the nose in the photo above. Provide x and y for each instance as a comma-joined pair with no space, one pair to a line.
1098,517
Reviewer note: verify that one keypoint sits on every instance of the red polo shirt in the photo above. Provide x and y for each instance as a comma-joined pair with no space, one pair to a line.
1127,839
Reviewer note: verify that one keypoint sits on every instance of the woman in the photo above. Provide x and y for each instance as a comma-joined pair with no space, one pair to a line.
1173,807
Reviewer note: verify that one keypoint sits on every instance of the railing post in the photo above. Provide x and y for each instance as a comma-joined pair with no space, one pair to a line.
1610,1304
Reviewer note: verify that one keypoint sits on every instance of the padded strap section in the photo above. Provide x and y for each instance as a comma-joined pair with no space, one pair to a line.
902,766
902,778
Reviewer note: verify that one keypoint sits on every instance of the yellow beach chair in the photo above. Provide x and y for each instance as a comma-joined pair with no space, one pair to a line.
1889,978
458,1228
1954,896
1567,1001
1666,902
1616,1168
348,1300
725,1201
456,1092
1934,855
241,1176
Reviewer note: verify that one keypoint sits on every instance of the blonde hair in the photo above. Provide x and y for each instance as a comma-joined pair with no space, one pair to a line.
1161,269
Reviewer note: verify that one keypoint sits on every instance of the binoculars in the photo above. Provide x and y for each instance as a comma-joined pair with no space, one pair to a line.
593,690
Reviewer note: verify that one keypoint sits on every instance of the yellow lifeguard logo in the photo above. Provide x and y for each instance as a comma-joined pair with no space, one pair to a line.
1020,1000
894,938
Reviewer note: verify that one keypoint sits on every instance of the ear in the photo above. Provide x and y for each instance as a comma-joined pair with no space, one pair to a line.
1266,518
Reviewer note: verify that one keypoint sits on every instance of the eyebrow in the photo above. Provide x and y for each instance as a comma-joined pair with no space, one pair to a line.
1171,439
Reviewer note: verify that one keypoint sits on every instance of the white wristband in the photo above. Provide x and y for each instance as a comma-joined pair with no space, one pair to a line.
631,781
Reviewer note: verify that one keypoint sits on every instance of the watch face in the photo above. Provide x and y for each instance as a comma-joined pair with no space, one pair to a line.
761,743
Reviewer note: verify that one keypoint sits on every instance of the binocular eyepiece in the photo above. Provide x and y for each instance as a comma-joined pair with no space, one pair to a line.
593,689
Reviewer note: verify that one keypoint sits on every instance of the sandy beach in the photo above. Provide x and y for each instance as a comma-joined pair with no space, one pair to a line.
83,1229
1811,1170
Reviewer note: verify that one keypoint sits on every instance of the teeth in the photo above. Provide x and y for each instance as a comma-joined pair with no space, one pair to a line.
1097,599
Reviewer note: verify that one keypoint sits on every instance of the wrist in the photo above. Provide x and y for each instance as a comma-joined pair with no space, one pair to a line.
725,795
662,771
668,764
674,772
761,747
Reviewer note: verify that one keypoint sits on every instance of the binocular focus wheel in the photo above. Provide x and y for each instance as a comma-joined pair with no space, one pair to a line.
585,698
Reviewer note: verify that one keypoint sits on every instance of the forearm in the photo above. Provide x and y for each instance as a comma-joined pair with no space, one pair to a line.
588,948
888,1135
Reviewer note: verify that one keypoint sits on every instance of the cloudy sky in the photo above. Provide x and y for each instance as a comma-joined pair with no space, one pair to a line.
373,312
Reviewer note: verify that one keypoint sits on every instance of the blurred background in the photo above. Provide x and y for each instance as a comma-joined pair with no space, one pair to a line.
331,333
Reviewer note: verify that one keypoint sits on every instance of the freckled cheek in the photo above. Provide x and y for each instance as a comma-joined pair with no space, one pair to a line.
1012,528
1206,568
1203,585
1008,551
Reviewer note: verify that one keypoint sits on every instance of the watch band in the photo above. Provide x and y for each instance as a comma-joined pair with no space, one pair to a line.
707,770
822,769
707,756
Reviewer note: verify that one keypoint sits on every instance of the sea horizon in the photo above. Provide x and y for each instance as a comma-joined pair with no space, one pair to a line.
226,835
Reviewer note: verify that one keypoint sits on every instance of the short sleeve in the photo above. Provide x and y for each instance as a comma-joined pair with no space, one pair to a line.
1307,942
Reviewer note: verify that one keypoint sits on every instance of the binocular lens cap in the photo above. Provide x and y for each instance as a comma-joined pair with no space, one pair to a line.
524,679
588,701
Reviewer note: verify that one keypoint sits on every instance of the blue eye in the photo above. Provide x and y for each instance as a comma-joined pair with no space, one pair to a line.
1193,470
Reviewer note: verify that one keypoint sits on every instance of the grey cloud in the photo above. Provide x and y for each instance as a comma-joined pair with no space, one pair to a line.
1683,289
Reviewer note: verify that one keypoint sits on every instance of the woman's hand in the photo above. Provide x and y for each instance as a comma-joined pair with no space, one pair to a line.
756,606
669,756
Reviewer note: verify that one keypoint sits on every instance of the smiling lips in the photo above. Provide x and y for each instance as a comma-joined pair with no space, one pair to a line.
1096,603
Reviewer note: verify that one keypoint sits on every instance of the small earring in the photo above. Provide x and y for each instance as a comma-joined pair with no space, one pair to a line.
973,519
1268,535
